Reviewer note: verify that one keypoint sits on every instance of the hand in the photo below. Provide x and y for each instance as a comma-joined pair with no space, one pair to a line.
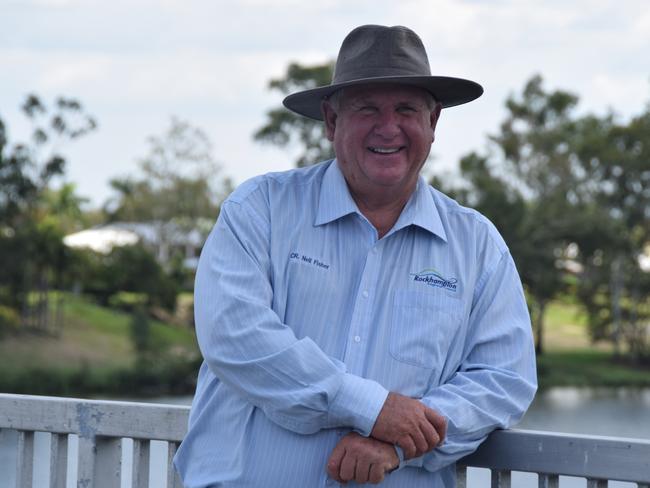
362,459
410,424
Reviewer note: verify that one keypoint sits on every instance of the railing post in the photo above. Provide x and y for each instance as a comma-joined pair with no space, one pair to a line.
173,480
108,462
594,483
25,459
140,473
58,460
549,481
500,479
86,462
461,476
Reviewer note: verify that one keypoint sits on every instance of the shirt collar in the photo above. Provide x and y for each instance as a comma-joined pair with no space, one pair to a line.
335,202
421,210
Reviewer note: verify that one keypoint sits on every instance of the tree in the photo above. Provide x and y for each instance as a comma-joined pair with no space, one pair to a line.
553,183
528,189
127,269
284,128
181,188
32,254
615,290
181,180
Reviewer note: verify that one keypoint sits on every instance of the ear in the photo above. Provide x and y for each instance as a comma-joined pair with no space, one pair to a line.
329,117
434,117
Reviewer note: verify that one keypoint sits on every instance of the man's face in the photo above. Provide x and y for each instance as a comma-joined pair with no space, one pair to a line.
382,135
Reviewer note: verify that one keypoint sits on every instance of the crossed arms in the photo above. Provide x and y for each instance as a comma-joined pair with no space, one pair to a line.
403,421
301,388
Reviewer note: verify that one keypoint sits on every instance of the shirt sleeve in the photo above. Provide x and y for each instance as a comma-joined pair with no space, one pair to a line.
246,345
497,379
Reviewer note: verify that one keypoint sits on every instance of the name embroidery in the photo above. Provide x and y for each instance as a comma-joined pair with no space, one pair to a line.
308,260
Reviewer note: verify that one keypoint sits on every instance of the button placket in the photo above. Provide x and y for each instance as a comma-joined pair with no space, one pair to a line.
362,313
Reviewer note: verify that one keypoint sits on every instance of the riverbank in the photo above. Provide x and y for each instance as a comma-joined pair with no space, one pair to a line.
93,354
589,367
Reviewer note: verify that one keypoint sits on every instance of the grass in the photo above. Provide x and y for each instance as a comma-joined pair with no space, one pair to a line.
586,367
571,359
91,335
93,351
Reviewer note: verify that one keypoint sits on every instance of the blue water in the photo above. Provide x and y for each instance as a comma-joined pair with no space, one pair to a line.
609,412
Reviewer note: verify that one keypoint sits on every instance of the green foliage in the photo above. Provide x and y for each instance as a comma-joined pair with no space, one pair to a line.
9,320
33,217
284,128
141,335
165,377
588,368
95,355
127,269
127,301
181,181
555,182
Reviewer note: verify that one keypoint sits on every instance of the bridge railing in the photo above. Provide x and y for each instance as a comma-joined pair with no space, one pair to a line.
101,430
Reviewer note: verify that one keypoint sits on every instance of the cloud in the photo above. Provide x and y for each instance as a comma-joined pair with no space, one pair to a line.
135,62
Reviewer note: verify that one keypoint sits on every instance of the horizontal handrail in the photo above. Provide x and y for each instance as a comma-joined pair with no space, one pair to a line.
545,453
583,456
88,418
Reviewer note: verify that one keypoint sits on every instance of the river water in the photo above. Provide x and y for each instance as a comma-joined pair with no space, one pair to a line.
619,412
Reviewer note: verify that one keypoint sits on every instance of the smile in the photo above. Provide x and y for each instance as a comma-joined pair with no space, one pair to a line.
385,150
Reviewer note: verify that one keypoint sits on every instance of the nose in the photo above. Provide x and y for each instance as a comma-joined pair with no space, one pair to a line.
387,124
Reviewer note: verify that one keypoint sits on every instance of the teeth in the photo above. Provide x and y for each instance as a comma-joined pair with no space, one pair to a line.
382,150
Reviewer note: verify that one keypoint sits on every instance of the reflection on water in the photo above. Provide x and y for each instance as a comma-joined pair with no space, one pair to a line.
621,412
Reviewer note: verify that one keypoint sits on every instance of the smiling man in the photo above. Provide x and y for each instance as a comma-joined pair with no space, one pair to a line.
356,324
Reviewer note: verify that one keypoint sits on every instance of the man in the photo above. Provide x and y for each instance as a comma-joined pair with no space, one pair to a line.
356,324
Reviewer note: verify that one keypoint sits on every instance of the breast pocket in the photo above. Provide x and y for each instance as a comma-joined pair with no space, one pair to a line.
423,327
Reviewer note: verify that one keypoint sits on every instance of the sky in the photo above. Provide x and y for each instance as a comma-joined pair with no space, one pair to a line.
135,64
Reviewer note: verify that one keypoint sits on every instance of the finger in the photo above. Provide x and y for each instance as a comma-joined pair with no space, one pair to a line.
362,471
348,466
334,462
430,435
376,474
438,421
421,444
408,446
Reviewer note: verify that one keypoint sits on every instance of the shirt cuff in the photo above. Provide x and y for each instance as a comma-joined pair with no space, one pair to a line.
357,403
413,462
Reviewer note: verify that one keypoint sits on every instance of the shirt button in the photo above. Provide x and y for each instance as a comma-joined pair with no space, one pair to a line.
365,294
357,339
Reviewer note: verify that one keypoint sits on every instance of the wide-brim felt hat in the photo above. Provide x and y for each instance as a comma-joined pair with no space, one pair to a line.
380,54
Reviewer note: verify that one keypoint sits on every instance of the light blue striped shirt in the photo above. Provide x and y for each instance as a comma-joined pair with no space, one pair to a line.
306,321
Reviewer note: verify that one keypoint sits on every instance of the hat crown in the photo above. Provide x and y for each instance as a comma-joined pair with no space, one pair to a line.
373,50
380,54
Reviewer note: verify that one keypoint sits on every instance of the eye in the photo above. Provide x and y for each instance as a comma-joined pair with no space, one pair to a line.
406,109
367,109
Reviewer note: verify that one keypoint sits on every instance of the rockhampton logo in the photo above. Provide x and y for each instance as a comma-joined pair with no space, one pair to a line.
433,278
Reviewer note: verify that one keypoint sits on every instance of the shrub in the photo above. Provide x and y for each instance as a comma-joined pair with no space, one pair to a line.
9,320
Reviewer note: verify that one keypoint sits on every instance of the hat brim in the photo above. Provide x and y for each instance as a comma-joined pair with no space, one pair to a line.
448,91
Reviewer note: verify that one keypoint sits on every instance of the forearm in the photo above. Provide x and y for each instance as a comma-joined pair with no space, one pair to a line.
247,346
474,404
496,380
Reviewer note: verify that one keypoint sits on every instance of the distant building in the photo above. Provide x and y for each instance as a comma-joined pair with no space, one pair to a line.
164,239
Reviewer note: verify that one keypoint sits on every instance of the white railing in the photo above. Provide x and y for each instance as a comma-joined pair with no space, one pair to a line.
102,429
